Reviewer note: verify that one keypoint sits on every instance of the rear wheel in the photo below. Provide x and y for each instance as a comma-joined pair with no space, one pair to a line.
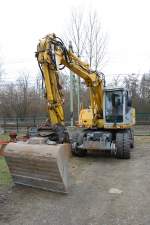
123,145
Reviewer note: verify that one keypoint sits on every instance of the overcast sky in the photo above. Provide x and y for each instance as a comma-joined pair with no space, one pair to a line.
24,22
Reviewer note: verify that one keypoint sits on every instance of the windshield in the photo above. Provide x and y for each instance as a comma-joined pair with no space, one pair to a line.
114,106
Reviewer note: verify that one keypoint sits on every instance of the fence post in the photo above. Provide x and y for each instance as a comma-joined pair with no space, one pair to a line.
4,124
17,124
34,121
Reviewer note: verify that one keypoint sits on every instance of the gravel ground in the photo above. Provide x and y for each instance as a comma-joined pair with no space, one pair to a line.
91,200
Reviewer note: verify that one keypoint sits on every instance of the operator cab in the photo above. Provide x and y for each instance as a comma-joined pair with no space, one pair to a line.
117,107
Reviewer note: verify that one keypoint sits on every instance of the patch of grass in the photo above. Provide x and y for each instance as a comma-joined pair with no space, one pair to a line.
4,137
5,178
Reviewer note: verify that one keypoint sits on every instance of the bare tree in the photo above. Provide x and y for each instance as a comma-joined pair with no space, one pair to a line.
145,87
29,98
131,82
89,43
95,49
116,81
88,39
7,99
21,99
76,35
75,32
1,69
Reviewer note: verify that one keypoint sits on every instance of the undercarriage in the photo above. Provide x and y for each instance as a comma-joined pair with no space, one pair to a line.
117,142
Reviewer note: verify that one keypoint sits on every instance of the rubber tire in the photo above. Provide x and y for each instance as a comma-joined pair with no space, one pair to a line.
66,138
78,138
132,138
123,145
79,152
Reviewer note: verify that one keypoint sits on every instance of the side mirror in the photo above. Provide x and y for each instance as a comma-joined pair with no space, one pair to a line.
129,103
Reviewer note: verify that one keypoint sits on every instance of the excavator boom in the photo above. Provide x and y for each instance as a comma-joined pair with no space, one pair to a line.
52,55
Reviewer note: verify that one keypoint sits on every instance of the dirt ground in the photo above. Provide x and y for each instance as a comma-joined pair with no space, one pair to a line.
89,201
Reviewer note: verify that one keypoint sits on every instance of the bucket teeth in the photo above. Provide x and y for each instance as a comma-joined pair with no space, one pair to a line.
41,166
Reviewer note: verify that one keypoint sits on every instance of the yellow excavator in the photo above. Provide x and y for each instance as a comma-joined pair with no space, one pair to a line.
41,161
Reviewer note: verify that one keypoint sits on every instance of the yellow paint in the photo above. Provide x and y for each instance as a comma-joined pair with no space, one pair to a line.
92,117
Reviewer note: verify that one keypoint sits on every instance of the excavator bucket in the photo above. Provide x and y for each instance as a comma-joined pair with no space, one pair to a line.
2,146
39,165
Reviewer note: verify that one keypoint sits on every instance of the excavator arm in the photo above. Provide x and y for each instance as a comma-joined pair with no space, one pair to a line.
52,56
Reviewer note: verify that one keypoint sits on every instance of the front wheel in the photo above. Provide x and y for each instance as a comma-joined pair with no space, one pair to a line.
77,139
123,145
78,151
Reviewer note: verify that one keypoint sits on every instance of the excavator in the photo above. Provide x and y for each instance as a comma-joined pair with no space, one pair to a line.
41,161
